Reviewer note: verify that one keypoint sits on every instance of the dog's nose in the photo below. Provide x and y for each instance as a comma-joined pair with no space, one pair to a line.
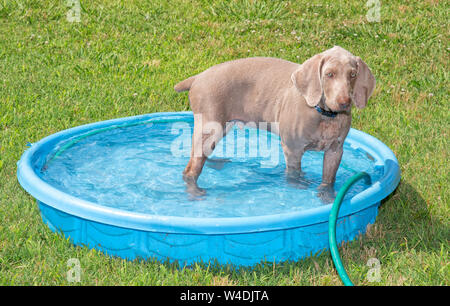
344,102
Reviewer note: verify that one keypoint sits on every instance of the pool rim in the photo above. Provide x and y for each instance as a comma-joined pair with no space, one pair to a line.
59,200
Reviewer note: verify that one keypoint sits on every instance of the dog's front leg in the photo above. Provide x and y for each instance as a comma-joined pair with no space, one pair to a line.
331,160
294,174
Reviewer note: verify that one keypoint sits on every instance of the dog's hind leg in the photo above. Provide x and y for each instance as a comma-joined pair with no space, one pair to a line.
207,133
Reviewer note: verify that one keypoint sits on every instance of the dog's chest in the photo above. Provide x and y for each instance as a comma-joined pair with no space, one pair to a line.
327,133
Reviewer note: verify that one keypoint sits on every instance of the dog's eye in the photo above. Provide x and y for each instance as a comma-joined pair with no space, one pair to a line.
353,75
330,74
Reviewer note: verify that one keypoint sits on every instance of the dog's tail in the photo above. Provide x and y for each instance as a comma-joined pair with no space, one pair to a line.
184,85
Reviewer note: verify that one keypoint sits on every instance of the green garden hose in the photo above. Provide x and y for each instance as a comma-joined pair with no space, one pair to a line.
332,225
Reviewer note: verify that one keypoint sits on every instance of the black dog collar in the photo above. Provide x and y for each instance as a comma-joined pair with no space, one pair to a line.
321,111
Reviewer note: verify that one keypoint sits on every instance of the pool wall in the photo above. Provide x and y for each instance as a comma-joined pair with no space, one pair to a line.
244,249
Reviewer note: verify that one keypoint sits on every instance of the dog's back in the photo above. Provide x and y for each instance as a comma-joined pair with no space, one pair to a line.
240,89
252,69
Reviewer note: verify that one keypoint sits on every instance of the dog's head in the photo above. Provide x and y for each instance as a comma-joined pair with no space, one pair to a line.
337,76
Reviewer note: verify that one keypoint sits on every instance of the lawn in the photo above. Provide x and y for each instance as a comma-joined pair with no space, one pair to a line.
123,57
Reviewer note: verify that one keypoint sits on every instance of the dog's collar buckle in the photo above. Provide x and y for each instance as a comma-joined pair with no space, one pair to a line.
326,113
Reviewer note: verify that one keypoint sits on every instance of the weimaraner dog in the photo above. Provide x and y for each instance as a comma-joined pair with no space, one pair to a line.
310,102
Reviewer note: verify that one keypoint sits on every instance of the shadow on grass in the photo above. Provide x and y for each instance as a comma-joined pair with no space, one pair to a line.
405,215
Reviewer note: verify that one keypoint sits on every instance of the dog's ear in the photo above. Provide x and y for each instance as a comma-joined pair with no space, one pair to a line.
364,84
307,79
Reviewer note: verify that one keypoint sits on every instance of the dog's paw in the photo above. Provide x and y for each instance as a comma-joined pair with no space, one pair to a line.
326,194
297,179
298,183
195,192
192,188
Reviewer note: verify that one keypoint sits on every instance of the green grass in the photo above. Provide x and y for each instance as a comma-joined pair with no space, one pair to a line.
123,59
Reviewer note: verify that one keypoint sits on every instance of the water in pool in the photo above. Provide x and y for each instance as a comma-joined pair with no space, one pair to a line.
139,168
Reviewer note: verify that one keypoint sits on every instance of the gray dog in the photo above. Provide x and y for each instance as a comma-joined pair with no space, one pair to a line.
310,102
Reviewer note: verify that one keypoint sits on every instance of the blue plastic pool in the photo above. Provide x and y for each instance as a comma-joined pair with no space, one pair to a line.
116,186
